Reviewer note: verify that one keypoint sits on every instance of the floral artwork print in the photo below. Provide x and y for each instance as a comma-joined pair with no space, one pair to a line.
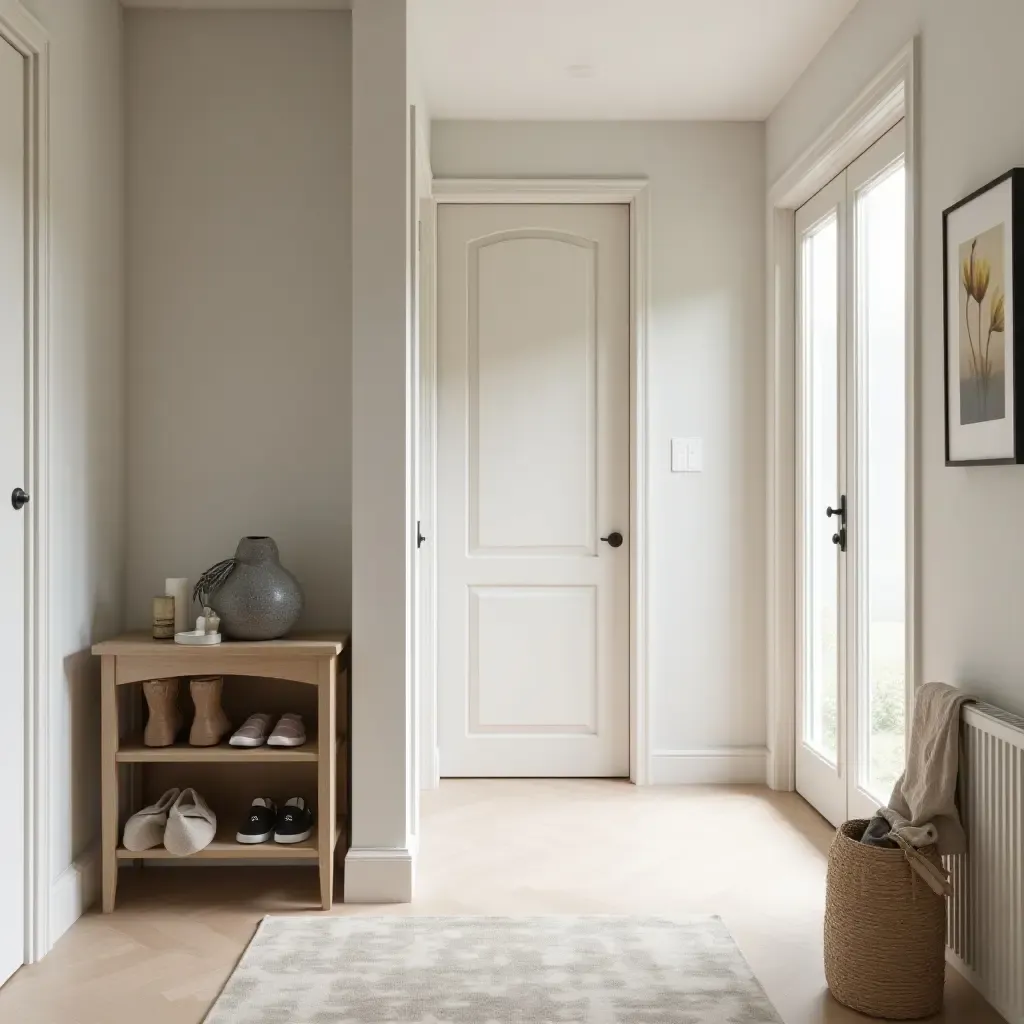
982,311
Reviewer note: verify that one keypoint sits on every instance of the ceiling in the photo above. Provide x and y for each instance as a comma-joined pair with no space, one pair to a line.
601,59
616,59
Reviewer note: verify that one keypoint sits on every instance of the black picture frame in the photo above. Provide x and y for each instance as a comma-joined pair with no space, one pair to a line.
1015,343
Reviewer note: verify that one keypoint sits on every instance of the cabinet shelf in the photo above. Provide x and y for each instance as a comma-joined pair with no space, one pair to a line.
136,752
226,847
132,774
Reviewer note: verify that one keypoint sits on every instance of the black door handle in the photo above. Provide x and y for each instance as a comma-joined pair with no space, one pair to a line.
419,535
19,499
839,539
614,539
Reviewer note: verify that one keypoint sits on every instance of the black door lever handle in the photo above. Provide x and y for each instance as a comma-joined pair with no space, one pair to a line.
841,511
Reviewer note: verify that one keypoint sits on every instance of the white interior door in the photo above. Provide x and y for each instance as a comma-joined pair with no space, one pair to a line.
533,471
12,521
852,485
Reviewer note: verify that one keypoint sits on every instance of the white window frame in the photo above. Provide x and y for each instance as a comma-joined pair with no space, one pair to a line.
890,96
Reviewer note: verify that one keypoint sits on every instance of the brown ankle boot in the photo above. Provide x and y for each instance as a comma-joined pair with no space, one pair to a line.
164,716
210,723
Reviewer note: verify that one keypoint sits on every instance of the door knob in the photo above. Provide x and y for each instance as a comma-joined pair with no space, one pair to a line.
841,511
614,539
19,499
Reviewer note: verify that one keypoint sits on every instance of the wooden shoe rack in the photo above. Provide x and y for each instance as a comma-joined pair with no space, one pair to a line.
308,676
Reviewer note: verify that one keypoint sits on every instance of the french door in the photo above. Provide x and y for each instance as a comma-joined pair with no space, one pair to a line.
852,486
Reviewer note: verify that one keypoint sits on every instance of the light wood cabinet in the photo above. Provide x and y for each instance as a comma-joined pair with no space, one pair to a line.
308,676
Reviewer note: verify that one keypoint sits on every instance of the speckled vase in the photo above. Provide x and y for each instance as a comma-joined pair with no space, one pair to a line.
261,599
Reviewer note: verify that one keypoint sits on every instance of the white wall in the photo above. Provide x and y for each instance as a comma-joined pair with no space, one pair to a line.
86,496
378,867
706,378
971,129
239,286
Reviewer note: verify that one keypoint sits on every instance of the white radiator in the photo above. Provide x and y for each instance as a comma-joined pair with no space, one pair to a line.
985,933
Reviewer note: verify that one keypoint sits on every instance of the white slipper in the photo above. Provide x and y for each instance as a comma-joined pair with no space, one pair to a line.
191,825
289,732
253,733
145,828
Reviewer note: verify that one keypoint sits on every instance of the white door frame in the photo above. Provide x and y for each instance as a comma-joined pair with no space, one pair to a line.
30,39
632,192
890,96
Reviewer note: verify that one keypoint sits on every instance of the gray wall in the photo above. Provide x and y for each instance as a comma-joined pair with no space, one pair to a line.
706,378
971,557
86,496
239,285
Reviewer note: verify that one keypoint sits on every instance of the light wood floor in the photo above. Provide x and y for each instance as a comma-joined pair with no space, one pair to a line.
523,847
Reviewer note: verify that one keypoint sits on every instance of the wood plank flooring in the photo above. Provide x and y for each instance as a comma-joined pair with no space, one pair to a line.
753,857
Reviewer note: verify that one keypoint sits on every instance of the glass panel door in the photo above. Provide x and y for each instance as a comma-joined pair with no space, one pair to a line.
820,328
852,485
876,185
822,368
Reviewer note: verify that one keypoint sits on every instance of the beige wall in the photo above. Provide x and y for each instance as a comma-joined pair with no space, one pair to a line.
239,285
971,556
86,494
378,867
706,379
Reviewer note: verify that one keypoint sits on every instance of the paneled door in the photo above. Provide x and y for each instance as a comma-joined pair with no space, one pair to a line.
853,485
12,514
533,490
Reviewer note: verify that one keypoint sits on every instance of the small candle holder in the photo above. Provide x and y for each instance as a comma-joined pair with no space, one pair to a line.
163,618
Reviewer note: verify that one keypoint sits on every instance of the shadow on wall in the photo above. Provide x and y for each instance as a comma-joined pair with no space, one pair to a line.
77,756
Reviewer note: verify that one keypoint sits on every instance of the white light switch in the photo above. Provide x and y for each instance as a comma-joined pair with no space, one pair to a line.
687,454
678,454
695,454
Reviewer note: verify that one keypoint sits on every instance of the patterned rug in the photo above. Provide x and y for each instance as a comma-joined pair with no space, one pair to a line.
479,970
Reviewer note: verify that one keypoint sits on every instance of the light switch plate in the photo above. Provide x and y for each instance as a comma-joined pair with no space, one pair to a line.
687,454
679,456
695,454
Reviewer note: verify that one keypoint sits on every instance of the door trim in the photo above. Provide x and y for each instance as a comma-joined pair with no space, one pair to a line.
890,96
30,39
634,193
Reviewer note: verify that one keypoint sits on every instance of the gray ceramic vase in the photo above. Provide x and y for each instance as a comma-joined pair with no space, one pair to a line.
261,599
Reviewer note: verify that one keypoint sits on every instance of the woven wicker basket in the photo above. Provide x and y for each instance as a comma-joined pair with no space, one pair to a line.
885,930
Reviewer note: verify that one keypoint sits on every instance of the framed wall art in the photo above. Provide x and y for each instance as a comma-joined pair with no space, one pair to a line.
984,284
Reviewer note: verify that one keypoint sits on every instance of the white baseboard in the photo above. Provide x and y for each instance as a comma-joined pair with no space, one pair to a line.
73,893
737,765
378,875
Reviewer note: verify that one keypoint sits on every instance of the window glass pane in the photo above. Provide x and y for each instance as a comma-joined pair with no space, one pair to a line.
820,322
881,299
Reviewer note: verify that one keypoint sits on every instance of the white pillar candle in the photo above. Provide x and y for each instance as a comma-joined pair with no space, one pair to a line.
177,588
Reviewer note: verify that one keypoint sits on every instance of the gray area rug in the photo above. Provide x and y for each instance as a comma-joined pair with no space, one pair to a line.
479,970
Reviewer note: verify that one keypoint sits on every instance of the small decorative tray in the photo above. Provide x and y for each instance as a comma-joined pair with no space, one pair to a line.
193,639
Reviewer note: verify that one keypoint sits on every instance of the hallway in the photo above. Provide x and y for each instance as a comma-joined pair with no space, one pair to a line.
753,857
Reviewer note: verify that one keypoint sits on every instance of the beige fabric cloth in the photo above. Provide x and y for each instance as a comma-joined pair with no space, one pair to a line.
191,825
145,828
925,793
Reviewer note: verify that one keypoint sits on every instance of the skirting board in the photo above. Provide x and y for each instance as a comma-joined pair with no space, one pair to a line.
736,765
74,891
376,875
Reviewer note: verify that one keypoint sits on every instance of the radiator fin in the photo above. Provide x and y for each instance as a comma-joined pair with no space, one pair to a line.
985,932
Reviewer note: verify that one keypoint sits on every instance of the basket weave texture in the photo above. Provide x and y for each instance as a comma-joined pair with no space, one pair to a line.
885,930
